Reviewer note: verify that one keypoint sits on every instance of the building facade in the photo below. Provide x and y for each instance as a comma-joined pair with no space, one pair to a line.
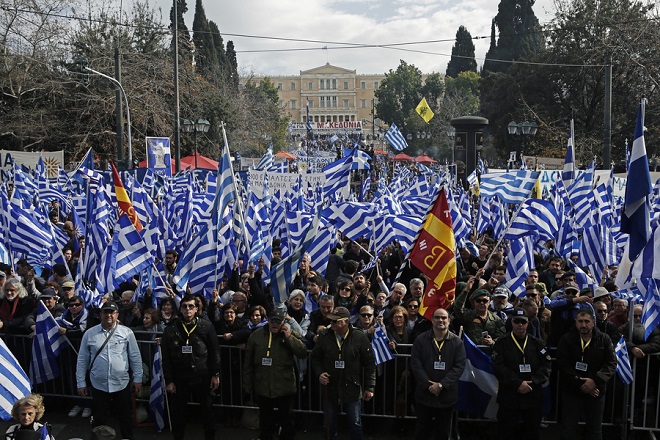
339,100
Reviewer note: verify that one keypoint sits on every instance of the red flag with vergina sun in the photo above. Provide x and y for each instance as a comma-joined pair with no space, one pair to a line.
434,254
125,205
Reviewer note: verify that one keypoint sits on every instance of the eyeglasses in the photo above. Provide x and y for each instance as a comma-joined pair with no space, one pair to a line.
67,288
366,315
412,306
346,288
637,316
532,295
519,321
482,300
75,305
188,306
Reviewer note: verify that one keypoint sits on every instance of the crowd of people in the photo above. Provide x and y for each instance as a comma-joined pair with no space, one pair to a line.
332,318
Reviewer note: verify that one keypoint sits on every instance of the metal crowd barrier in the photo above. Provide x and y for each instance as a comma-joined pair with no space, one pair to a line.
634,407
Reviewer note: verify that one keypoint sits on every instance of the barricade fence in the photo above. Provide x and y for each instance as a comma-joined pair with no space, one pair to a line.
634,407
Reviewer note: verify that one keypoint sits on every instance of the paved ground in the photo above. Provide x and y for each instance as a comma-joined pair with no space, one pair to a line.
309,428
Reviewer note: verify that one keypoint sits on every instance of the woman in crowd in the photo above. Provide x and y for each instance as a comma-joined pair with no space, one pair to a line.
167,311
257,318
27,412
296,309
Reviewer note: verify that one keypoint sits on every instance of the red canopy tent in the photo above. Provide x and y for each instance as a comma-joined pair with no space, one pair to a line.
379,151
202,162
285,155
425,159
402,157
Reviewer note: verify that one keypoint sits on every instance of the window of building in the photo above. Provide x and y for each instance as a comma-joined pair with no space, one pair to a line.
293,86
334,84
321,84
293,104
363,103
279,86
346,102
375,85
322,101
334,102
363,85
310,86
345,85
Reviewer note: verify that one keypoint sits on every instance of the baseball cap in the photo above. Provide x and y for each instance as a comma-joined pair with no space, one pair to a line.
339,313
519,314
567,274
70,284
277,315
571,286
48,293
110,305
501,292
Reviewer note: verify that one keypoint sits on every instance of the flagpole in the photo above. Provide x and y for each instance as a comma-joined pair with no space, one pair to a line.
239,200
65,337
162,378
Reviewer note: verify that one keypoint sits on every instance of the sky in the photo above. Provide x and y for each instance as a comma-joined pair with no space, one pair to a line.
354,23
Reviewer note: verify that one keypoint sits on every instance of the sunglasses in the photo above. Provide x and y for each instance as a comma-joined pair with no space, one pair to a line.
366,315
482,300
532,295
410,306
75,305
188,306
519,321
67,288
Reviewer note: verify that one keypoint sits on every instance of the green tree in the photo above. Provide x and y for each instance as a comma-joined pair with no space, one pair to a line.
399,94
519,34
232,62
206,56
219,46
462,54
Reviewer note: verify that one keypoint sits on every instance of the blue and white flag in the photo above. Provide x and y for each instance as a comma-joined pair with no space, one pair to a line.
568,172
14,383
382,352
651,310
226,186
157,394
535,216
47,344
647,265
623,362
266,161
395,138
636,213
511,187
477,387
337,178
132,256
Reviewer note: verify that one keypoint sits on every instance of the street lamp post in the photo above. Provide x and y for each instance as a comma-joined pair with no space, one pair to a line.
201,125
522,129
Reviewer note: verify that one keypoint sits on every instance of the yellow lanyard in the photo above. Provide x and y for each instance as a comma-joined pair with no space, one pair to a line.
584,347
522,349
270,340
188,333
439,347
340,344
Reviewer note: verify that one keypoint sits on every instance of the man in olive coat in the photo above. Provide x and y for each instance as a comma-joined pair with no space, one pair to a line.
269,372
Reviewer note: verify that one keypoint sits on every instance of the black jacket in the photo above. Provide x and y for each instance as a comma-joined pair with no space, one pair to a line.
507,359
359,372
203,362
599,357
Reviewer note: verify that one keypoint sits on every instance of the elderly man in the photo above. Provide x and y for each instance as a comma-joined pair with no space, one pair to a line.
479,324
437,362
416,290
619,313
500,304
110,352
344,364
586,361
319,319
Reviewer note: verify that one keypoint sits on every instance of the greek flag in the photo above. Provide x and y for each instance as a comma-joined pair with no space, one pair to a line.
337,176
132,255
46,346
157,394
648,263
395,138
282,273
226,188
511,187
623,362
651,310
635,215
477,387
266,161
535,216
519,261
379,346
568,172
14,383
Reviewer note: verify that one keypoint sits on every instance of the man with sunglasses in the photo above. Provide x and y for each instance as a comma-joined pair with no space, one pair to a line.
344,364
191,365
522,365
481,325
110,352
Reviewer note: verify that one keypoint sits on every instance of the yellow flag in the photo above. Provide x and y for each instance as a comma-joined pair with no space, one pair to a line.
424,110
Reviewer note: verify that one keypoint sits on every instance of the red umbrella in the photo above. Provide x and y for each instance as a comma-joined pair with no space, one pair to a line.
425,160
402,157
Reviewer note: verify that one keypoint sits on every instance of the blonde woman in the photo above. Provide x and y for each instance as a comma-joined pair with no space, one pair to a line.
27,412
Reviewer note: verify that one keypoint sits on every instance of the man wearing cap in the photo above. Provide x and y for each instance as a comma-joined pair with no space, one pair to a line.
603,295
500,304
110,353
564,310
269,372
479,324
191,365
437,362
49,298
344,364
67,290
522,365
586,362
